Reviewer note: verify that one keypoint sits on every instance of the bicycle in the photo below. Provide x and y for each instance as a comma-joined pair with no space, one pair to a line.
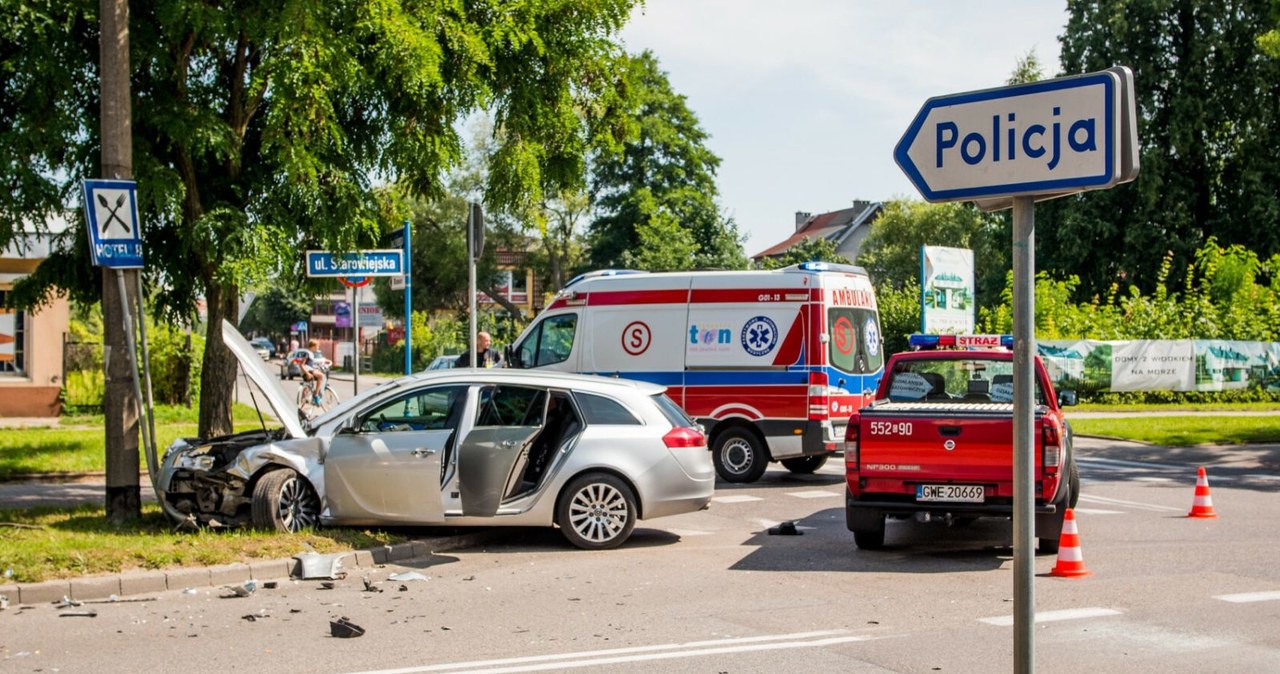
307,406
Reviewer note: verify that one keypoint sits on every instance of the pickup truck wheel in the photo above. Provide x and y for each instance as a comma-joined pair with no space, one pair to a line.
805,465
1073,482
739,456
1048,545
872,539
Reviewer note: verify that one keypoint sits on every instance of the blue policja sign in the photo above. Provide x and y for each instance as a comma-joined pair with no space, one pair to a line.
1056,136
115,233
360,263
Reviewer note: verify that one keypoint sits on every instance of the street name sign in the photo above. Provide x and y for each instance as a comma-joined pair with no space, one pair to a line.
1048,138
115,232
359,263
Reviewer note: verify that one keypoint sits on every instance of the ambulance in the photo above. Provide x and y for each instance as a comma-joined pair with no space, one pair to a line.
771,363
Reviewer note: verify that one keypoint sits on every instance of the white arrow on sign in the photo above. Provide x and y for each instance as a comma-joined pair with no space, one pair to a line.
1052,137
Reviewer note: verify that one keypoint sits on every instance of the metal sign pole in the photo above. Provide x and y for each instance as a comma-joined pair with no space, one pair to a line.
1024,353
408,301
153,463
133,365
471,283
355,359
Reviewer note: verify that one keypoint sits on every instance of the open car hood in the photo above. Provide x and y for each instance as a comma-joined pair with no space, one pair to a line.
285,410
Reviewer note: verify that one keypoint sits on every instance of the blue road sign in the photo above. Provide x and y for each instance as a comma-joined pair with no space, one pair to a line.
115,232
1055,136
359,263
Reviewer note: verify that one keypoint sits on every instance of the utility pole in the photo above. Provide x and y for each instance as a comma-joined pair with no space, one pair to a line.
120,404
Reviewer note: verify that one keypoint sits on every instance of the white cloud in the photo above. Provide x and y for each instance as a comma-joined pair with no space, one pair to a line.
804,100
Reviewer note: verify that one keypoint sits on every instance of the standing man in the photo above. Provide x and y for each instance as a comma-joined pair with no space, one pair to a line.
485,357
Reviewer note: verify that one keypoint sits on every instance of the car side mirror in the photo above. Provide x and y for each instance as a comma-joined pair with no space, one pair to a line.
349,427
1066,398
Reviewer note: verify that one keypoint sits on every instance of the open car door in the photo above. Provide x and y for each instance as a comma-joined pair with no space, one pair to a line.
493,457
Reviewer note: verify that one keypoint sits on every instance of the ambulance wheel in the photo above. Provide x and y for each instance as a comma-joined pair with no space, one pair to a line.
805,465
740,456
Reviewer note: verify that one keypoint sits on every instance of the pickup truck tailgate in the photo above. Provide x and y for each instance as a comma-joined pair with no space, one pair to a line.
921,441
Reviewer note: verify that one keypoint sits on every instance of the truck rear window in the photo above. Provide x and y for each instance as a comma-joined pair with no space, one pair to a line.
969,379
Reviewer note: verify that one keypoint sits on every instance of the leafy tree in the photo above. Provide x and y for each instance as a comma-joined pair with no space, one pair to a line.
259,128
891,252
1208,120
276,308
661,180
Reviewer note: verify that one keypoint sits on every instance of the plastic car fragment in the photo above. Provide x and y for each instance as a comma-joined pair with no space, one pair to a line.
313,565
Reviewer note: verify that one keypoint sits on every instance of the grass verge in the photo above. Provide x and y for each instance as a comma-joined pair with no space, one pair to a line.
1183,431
53,543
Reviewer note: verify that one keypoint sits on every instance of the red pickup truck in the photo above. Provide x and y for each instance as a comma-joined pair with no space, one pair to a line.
937,443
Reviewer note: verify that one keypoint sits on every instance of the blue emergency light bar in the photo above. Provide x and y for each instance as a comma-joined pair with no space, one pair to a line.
930,342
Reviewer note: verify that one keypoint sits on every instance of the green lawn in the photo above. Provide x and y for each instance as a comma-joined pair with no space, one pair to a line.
1182,431
54,543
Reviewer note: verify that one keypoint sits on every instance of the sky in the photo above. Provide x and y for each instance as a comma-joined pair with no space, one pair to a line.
804,100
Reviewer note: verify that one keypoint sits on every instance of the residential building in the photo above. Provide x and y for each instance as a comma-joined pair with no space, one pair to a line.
31,343
846,228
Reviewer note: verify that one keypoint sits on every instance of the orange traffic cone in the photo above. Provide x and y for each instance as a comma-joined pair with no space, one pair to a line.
1070,557
1203,505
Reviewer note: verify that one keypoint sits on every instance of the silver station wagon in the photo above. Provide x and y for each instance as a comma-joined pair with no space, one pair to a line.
464,447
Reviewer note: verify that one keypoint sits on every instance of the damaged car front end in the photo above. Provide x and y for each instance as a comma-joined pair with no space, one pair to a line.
213,483
263,477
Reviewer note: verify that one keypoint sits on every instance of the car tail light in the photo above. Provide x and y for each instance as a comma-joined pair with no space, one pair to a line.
684,436
818,399
1052,439
851,437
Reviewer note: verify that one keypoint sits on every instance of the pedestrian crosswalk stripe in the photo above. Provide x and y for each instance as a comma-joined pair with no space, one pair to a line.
735,499
811,494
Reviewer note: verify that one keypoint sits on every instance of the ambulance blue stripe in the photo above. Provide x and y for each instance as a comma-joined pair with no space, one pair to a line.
790,377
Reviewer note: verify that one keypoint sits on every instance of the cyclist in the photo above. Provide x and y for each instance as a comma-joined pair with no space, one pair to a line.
312,372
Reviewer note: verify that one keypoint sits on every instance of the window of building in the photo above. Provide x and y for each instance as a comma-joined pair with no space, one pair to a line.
13,339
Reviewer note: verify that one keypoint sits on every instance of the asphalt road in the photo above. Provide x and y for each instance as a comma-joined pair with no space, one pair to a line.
715,592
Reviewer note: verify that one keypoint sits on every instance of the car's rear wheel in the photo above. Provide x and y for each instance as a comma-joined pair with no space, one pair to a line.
739,456
597,511
284,501
805,464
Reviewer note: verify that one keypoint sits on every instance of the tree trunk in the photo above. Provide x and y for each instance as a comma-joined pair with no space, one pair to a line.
119,405
218,375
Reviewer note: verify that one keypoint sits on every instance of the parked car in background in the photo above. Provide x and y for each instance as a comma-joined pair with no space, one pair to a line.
443,362
265,348
291,366
497,447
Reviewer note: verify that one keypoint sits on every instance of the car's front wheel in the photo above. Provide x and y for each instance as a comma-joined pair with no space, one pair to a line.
284,501
597,511
739,456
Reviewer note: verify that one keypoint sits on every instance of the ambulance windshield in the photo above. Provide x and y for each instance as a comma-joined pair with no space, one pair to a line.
854,344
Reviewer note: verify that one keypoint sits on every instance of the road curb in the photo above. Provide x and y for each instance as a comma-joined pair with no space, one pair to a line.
104,587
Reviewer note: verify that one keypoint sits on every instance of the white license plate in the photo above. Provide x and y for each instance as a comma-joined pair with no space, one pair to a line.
950,493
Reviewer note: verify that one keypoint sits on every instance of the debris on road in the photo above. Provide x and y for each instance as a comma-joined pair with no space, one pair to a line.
785,529
243,590
370,586
343,628
78,614
407,575
313,565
